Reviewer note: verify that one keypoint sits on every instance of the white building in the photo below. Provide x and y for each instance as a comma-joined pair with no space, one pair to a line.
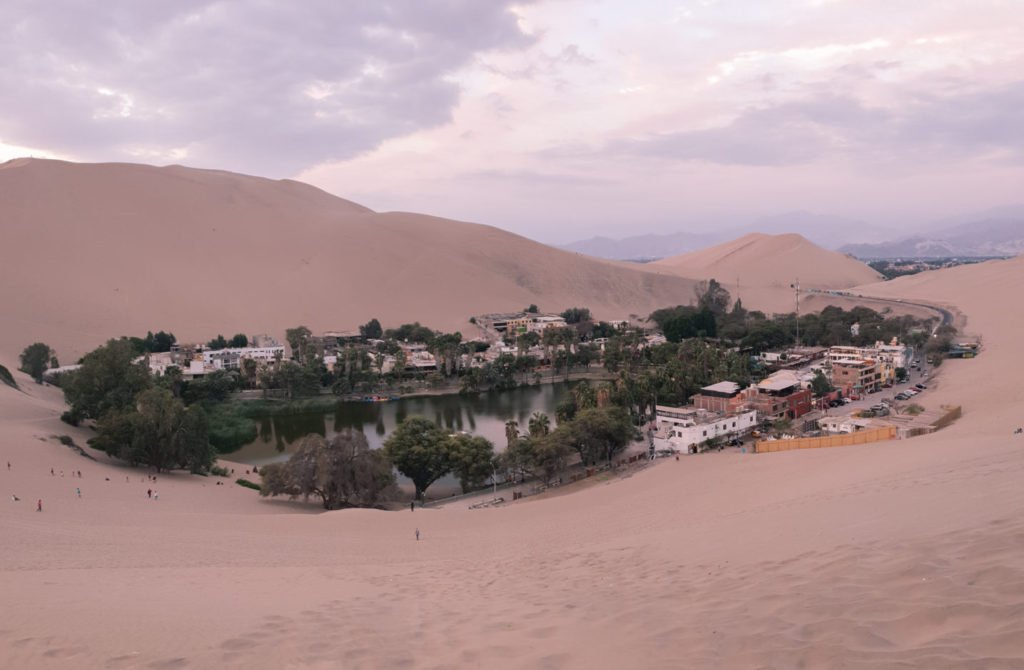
545,321
229,359
889,356
686,427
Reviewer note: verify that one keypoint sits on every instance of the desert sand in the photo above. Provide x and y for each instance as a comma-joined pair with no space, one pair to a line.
899,554
759,268
104,250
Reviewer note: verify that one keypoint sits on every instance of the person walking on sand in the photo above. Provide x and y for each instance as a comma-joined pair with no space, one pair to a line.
417,534
412,505
149,492
39,506
78,491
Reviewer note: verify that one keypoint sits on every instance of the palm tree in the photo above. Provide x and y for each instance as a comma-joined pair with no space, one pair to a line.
540,424
511,431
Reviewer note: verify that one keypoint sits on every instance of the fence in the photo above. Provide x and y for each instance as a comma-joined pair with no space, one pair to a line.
845,440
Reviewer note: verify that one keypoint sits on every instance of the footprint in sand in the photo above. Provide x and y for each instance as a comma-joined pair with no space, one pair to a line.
169,663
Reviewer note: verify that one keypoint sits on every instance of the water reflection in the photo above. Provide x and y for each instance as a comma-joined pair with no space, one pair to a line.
483,414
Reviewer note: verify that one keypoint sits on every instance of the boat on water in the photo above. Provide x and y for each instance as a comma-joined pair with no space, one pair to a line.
379,398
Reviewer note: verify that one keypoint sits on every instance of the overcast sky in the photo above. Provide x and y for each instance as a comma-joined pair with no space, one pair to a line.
557,119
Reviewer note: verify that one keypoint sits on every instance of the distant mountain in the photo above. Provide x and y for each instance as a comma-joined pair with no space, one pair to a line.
830,232
644,247
997,232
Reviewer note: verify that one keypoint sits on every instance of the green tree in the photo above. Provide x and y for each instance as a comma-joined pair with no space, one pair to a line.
511,433
597,433
550,456
472,460
540,424
820,385
420,451
239,341
299,341
371,330
712,296
108,380
532,309
576,315
209,389
217,343
342,472
298,380
159,432
35,359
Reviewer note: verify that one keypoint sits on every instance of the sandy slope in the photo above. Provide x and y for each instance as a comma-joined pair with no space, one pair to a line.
754,262
904,554
95,251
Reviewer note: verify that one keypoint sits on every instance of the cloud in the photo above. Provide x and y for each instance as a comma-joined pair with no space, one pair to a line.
254,86
965,125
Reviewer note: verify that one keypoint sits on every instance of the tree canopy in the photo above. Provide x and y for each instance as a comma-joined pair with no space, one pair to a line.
35,360
107,381
576,315
472,460
342,472
159,432
419,449
371,330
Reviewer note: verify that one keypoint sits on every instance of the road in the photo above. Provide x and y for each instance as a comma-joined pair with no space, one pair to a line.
946,317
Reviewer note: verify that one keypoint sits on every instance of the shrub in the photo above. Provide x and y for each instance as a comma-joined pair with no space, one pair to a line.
66,440
247,484
230,429
69,418
913,410
7,378
219,471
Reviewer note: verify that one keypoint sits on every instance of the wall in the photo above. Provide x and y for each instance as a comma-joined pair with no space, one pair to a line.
861,437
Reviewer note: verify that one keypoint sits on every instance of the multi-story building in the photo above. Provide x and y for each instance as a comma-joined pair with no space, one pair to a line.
687,427
230,358
857,377
890,357
779,396
722,397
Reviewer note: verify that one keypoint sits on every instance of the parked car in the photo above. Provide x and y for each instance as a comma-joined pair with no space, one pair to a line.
920,386
902,396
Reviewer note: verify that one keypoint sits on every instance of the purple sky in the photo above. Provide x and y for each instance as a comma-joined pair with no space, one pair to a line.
556,119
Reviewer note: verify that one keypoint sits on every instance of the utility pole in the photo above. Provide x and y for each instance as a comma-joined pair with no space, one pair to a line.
796,289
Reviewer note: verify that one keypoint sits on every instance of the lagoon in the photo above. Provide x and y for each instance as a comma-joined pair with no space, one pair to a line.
479,413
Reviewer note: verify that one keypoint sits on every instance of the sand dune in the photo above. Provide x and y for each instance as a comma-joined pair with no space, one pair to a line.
902,554
95,251
757,261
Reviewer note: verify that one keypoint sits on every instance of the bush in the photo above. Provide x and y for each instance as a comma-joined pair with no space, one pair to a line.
7,378
66,440
230,429
219,471
69,418
247,484
913,410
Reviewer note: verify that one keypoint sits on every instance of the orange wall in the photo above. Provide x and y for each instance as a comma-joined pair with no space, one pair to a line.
845,440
